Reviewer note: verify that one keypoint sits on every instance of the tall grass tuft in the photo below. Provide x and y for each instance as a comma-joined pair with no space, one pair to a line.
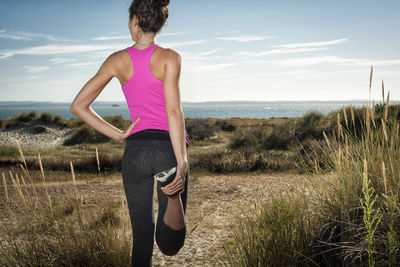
269,234
45,230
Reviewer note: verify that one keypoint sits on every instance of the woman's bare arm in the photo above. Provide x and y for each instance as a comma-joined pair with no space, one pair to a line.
176,122
81,104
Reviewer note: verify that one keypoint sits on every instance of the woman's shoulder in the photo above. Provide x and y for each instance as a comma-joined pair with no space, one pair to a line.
120,54
169,53
119,59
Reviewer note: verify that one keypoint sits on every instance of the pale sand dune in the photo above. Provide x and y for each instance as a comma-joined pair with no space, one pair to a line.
53,136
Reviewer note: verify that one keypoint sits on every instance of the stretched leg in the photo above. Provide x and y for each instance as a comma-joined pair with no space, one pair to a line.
171,226
174,216
139,189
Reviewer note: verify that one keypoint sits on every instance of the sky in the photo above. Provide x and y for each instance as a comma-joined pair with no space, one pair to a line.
231,50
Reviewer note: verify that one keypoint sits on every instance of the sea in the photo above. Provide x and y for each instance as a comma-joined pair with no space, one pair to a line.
211,109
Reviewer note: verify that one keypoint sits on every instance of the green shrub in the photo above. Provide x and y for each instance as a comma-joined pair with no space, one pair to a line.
200,129
46,117
21,119
3,124
281,137
225,126
259,138
310,125
117,121
75,122
86,134
40,129
59,120
14,124
252,137
245,159
27,117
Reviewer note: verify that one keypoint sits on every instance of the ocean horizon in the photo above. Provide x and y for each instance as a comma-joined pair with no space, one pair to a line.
207,109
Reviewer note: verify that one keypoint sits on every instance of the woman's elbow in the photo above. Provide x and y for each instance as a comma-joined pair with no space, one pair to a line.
73,108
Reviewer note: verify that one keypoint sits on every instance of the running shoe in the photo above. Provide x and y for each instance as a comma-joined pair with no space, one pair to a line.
165,177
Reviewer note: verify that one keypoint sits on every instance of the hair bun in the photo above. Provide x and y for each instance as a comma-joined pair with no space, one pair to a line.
161,3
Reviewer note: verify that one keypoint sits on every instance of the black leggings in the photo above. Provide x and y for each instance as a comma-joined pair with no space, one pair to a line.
146,153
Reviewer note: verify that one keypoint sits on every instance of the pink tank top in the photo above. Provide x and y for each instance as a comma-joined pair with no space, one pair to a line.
144,93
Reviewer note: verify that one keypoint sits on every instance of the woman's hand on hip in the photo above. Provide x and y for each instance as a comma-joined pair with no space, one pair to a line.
178,183
122,137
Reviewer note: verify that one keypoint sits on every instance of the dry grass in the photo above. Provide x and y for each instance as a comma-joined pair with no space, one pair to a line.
352,213
39,230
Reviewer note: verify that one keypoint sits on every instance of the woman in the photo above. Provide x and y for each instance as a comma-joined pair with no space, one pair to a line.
156,140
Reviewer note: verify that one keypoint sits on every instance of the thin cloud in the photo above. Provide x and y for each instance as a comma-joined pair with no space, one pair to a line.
80,64
295,48
201,56
171,33
226,32
27,36
307,61
57,49
245,38
212,67
33,77
59,60
292,72
282,51
388,62
339,60
295,10
313,73
206,53
178,44
260,76
395,72
105,38
321,43
36,68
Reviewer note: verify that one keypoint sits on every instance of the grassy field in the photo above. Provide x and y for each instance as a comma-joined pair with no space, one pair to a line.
318,190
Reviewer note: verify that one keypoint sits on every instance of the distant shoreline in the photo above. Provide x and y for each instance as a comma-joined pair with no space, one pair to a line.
210,109
4,104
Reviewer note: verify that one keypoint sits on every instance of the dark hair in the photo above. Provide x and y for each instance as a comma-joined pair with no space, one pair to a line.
152,14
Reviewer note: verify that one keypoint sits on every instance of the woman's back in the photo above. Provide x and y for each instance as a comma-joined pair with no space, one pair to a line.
143,87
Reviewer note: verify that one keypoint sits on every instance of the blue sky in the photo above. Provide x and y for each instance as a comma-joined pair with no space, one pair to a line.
231,50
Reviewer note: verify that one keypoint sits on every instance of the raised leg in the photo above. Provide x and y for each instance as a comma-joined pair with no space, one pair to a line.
171,226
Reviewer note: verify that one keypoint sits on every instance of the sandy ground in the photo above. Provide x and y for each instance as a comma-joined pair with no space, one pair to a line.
53,135
211,201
